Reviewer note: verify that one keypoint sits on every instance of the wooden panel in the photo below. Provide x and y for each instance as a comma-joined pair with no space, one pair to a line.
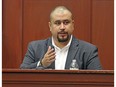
36,18
12,34
103,30
27,20
56,78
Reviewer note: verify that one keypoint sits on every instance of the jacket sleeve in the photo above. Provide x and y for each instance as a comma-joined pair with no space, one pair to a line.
93,61
29,59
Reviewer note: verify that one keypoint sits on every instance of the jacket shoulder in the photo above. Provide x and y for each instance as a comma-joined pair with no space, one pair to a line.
35,44
86,45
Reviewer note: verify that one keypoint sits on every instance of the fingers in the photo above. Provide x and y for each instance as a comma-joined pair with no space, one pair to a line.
52,60
50,50
49,57
50,54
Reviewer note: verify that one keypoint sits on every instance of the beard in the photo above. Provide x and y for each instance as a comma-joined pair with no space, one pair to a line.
63,38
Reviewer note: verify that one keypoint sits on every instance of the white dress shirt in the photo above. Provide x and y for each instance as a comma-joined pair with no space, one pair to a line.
61,55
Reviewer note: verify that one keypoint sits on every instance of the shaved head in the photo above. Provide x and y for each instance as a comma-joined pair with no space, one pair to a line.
60,10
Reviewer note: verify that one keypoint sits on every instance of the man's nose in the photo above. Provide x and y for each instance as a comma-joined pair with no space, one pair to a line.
62,26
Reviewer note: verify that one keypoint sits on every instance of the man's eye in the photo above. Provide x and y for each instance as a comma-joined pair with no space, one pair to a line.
57,23
66,22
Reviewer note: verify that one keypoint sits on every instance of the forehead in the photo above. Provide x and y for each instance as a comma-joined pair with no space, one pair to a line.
61,15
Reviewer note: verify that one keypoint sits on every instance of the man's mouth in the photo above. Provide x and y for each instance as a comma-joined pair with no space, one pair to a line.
62,34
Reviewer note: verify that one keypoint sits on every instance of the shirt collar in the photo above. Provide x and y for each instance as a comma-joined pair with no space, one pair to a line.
65,47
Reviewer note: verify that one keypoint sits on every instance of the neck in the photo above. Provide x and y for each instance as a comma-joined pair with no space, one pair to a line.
61,44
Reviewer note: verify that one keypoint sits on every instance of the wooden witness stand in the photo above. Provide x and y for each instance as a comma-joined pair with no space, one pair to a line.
57,78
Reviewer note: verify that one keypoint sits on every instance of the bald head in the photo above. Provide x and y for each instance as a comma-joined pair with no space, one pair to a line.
60,10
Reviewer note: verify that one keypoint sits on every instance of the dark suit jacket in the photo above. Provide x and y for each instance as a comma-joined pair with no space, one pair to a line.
85,53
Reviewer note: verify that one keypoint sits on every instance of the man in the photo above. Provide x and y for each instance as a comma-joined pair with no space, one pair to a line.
58,51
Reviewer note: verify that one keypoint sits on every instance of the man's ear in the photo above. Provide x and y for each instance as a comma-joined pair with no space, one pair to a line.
73,21
49,23
73,24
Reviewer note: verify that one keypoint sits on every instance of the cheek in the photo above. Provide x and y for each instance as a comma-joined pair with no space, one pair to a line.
70,29
54,30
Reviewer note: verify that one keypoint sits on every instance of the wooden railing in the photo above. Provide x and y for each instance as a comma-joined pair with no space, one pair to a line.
57,78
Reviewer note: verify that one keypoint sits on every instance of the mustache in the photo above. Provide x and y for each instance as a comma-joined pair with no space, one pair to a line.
62,32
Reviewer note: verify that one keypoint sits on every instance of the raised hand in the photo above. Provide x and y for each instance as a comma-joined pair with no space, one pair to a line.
49,57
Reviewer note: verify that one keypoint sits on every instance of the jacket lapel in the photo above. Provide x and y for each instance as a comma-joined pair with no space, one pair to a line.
72,52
